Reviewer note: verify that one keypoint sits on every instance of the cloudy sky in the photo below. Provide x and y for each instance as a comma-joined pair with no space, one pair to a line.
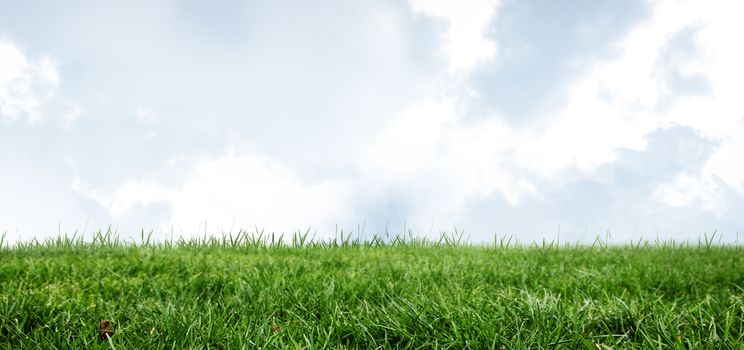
536,119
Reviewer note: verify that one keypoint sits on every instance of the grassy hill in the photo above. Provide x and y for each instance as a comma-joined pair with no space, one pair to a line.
247,292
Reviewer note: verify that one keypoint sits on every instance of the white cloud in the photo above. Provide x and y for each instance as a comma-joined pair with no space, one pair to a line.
613,105
467,21
617,103
726,164
339,121
254,191
25,83
687,190
145,115
129,195
427,155
244,190
71,115
440,163
703,188
14,62
719,114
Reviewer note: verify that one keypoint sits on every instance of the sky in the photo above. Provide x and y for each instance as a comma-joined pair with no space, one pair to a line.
531,119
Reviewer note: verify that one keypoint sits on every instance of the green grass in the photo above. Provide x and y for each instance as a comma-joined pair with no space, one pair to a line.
258,292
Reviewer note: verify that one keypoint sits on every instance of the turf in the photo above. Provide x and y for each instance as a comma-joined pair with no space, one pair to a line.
247,293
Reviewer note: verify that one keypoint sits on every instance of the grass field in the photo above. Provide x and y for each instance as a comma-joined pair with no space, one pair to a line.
255,292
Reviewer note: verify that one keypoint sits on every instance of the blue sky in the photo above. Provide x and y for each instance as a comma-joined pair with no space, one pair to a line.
522,118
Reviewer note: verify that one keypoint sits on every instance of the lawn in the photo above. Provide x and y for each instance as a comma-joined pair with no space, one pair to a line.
259,292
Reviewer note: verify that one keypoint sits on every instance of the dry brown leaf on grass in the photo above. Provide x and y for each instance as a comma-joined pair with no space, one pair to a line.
105,330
